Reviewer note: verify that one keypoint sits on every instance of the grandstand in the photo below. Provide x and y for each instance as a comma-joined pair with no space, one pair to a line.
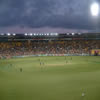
12,45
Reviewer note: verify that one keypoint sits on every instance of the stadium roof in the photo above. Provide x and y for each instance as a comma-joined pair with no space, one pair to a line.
48,36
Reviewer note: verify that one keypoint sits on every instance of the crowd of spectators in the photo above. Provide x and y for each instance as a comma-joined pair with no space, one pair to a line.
9,49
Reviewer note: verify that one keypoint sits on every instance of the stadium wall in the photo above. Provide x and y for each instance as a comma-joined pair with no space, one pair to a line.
51,55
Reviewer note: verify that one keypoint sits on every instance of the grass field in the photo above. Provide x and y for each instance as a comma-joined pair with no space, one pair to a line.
50,78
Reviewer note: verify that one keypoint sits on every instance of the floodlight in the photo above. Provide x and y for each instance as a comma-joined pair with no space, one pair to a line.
73,33
26,34
8,34
95,9
31,34
14,34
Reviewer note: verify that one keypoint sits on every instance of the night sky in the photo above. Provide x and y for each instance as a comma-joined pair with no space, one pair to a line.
47,16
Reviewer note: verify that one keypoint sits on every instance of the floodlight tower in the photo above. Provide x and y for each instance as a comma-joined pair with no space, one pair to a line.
95,11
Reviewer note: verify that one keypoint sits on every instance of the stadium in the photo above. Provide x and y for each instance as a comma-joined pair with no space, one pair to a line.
49,66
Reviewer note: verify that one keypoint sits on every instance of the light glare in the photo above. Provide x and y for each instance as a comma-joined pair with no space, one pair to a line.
95,9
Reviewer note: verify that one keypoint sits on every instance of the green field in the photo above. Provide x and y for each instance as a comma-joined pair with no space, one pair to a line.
50,78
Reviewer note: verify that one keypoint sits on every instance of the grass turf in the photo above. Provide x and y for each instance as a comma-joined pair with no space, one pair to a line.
50,78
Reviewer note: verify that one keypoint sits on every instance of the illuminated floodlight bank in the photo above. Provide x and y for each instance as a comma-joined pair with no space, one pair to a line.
26,34
31,34
8,34
47,34
79,33
68,33
95,9
51,34
13,34
56,34
73,33
34,34
41,34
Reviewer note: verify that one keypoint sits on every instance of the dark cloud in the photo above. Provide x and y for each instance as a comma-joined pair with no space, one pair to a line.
74,14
